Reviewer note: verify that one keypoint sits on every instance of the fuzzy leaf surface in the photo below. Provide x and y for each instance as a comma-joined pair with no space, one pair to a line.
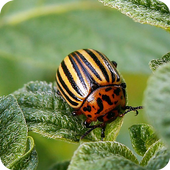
156,101
13,130
60,166
104,155
28,160
155,63
151,12
160,160
142,137
151,152
47,113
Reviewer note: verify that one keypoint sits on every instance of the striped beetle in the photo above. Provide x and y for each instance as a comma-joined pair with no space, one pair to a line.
91,85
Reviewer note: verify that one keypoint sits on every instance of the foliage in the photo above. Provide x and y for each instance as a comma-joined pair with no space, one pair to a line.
17,148
54,124
35,35
151,12
155,63
157,97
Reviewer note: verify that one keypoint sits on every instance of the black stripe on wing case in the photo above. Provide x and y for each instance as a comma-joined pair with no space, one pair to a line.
110,67
67,98
88,76
89,65
70,78
77,70
97,61
66,87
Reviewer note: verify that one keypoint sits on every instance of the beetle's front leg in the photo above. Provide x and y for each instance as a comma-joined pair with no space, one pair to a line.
87,124
130,108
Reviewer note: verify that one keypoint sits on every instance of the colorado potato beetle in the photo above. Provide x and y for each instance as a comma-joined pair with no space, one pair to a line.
91,85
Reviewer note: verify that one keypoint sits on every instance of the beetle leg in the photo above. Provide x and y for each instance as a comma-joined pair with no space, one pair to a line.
103,130
86,133
130,108
87,124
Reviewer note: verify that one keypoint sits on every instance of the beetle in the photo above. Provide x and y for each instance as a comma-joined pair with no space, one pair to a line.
91,84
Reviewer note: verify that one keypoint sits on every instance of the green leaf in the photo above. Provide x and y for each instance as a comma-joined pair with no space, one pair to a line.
161,160
48,114
156,101
13,130
155,63
27,161
113,128
103,155
60,166
142,137
151,12
111,131
151,152
109,163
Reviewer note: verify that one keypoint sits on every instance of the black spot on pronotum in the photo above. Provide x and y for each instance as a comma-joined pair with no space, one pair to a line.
100,104
107,99
94,107
117,91
88,109
115,102
108,89
110,115
113,95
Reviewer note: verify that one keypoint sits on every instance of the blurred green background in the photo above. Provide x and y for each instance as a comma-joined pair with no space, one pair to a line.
36,35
